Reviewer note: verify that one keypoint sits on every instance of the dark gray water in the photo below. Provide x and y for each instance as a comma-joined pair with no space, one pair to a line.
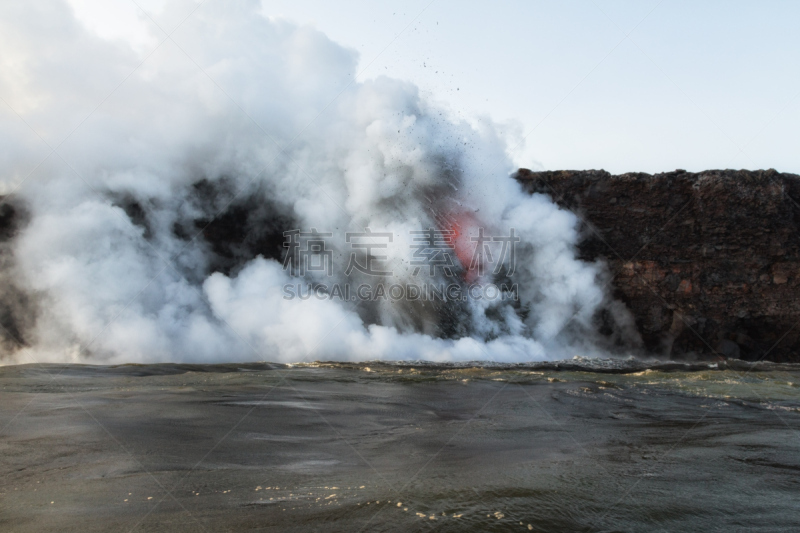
573,446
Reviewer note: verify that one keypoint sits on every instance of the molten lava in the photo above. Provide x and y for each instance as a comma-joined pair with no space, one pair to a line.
464,230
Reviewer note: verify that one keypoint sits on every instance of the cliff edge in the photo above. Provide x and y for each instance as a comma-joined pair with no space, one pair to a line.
708,262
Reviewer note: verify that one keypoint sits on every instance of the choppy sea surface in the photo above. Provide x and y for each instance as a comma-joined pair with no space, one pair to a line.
577,445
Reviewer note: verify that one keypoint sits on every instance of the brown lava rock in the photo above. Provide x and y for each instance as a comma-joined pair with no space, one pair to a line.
708,262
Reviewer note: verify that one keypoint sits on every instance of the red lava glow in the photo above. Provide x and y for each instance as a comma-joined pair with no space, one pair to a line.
464,226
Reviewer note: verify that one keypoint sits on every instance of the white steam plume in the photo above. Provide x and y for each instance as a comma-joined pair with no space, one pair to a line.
255,126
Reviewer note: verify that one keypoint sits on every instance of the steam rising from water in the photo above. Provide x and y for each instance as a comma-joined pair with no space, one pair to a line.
155,231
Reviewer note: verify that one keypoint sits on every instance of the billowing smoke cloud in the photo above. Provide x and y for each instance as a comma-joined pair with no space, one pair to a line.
155,230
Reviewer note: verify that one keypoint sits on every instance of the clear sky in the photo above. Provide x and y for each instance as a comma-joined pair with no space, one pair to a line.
641,85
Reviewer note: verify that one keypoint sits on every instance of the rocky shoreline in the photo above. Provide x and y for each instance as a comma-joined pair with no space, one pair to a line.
707,262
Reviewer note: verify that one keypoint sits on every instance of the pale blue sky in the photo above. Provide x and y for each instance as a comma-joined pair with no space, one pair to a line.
694,85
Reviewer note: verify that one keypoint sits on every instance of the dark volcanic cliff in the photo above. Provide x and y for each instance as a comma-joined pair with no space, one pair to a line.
708,263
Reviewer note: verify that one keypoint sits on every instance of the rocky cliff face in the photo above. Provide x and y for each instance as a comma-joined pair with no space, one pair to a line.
709,263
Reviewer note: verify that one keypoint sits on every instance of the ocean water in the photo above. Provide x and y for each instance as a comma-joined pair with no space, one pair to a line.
579,445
